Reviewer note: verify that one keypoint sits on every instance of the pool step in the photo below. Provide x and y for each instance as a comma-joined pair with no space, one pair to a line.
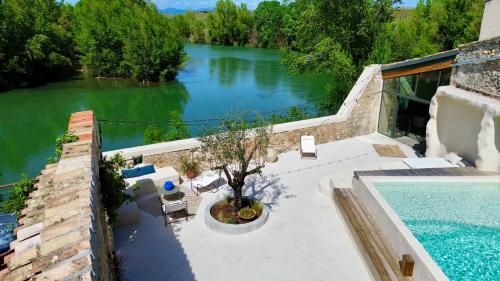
378,252
339,179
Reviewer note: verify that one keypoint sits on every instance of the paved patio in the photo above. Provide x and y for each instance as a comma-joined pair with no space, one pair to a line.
305,237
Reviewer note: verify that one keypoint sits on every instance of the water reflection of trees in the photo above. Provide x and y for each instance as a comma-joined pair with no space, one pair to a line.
149,103
33,118
227,69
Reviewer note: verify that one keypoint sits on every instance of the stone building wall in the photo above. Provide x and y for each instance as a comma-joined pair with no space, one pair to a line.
477,67
358,116
63,233
465,116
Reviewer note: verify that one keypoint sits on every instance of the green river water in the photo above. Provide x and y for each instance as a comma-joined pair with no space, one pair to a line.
214,81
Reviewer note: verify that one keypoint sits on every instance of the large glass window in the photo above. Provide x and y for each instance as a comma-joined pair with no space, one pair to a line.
404,109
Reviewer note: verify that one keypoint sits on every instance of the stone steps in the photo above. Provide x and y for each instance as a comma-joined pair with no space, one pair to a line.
377,250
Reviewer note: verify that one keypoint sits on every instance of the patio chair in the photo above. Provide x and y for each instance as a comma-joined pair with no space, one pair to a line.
205,180
169,208
308,147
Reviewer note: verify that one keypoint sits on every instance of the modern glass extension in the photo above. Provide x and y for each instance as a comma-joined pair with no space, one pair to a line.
404,109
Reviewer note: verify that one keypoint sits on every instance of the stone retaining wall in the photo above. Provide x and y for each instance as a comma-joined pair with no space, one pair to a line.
477,67
358,116
63,234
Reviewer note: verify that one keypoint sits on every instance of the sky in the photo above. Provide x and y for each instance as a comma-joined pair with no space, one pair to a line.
202,4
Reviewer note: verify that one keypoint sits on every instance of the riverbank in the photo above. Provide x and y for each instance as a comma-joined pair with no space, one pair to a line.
215,80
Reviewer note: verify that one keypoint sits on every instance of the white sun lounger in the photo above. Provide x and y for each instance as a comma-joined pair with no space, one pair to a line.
206,179
308,147
426,163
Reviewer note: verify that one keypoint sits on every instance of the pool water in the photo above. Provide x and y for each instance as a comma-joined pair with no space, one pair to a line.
458,223
7,224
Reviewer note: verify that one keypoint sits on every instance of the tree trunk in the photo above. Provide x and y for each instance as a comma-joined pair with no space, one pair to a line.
238,197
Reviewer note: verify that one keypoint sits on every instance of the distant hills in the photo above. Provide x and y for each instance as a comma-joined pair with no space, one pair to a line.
175,11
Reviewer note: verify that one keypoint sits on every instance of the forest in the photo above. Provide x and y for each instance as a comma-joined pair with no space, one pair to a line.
48,40
338,38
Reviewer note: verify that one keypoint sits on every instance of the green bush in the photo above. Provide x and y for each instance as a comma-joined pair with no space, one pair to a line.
176,129
60,140
113,186
17,197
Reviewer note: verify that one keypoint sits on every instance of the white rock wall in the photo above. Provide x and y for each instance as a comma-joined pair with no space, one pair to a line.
467,124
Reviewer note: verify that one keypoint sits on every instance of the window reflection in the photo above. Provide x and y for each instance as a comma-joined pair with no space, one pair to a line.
404,109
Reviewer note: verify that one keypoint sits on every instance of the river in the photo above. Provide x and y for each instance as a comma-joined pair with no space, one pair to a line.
215,80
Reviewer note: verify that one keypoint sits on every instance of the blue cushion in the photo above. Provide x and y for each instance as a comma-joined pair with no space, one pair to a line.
145,170
130,173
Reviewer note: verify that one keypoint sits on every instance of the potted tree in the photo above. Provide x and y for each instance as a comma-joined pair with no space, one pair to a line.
238,148
190,167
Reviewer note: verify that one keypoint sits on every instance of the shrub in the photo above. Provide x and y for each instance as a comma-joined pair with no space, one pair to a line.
189,164
176,130
60,140
246,213
113,186
18,195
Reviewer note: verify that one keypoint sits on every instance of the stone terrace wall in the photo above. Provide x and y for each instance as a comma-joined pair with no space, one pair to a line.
63,234
358,116
477,67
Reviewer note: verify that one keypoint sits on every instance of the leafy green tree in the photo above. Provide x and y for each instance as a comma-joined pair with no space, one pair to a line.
238,148
269,21
181,23
331,37
222,24
327,57
431,27
244,25
176,130
127,38
36,42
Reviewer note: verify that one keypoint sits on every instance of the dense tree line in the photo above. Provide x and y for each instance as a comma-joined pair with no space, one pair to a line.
46,40
124,38
429,28
336,37
36,42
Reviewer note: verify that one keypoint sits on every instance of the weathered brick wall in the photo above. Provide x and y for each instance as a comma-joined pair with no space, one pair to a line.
361,120
477,67
63,234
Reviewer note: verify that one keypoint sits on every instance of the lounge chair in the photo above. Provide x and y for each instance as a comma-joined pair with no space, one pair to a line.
426,163
308,147
206,179
168,208
456,160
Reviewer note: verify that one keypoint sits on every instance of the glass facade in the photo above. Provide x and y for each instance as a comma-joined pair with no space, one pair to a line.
404,109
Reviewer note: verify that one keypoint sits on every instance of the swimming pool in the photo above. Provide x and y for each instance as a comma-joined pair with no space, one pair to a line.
458,223
7,224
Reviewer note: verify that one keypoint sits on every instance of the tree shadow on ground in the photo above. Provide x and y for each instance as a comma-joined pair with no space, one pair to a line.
267,189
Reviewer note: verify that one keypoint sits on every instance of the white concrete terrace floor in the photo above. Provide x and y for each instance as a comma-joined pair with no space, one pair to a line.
305,237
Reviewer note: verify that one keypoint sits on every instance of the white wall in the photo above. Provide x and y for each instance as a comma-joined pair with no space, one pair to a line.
490,25
467,124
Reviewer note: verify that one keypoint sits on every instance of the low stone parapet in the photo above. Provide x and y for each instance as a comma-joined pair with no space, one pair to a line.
63,235
357,116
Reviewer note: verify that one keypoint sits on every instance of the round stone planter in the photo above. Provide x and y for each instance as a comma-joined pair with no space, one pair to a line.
234,228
